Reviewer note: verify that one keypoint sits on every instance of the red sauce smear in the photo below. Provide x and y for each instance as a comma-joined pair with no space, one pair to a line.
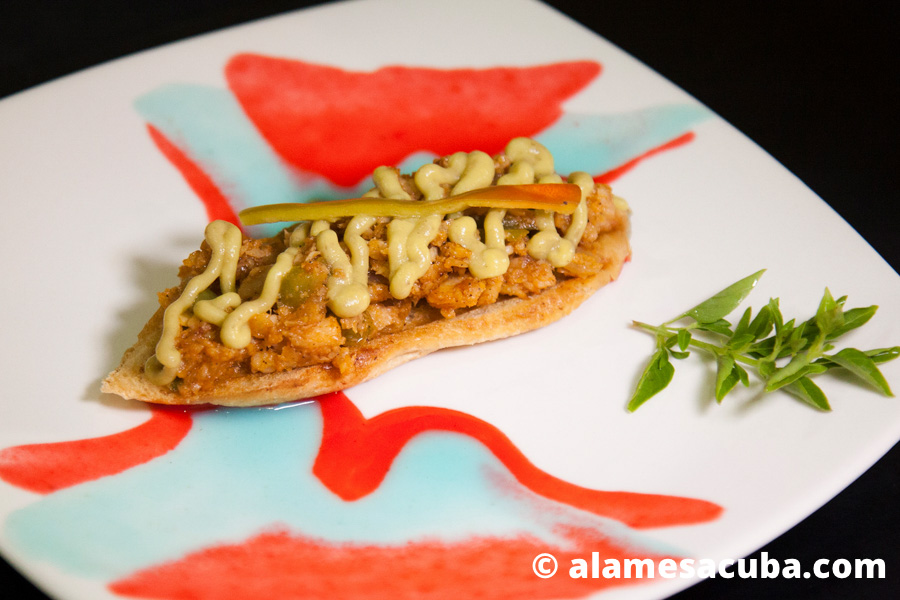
46,468
356,454
343,124
217,205
288,567
614,174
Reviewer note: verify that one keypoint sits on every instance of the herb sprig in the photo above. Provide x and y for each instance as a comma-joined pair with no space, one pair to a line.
783,354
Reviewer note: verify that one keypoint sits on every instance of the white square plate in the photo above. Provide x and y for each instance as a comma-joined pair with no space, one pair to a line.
113,217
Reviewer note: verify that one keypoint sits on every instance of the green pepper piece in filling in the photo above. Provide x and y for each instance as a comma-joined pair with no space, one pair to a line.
298,285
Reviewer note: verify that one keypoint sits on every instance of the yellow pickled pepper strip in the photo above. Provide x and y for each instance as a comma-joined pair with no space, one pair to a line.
558,197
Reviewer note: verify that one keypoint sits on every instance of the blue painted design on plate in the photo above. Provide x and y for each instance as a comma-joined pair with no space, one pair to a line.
243,471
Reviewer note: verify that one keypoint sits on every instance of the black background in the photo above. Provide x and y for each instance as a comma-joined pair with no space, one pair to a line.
816,87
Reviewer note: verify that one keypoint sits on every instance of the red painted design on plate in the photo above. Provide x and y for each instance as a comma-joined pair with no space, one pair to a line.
46,468
343,124
356,454
217,205
614,174
289,566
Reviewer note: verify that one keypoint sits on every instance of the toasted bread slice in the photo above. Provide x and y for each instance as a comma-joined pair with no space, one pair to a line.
248,327
505,318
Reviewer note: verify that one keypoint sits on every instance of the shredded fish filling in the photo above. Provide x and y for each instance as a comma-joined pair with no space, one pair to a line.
307,295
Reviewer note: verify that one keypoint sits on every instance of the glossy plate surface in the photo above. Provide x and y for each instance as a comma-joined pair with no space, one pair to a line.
104,203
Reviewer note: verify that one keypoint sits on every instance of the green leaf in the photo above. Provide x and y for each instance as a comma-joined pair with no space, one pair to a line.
655,378
670,343
829,315
684,339
761,326
789,373
863,367
726,377
786,329
882,355
815,368
725,301
742,375
782,338
805,389
799,339
762,348
775,310
853,318
878,356
766,368
743,325
740,341
721,326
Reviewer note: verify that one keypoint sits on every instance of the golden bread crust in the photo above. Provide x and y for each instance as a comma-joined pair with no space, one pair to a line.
505,318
